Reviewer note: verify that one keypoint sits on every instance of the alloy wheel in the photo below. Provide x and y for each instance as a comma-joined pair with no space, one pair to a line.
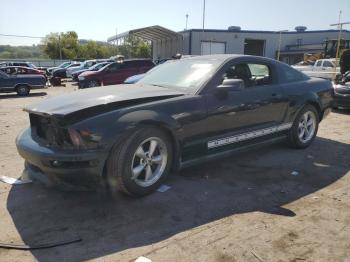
307,126
149,162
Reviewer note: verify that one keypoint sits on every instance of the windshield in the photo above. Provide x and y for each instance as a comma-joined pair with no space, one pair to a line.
64,65
186,74
97,66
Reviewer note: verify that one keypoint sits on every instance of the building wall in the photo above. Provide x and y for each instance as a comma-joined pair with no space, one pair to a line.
235,40
190,44
168,47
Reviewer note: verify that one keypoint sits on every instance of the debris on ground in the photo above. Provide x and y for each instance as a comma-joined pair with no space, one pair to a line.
143,259
39,246
163,188
14,181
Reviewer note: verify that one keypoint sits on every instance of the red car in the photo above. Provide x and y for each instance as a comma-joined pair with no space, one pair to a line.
114,73
21,70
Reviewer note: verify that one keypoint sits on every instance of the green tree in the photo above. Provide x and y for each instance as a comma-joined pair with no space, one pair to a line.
70,47
66,45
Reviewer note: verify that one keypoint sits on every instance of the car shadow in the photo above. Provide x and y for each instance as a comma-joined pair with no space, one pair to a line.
259,180
14,95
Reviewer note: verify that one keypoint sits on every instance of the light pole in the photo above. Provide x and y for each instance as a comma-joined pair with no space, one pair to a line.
280,43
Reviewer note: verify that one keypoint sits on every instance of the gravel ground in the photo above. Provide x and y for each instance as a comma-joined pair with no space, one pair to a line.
248,207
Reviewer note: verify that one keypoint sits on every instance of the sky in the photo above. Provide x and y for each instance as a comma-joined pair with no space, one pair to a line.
100,19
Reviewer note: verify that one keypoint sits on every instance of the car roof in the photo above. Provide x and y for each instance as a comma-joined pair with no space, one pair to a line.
26,67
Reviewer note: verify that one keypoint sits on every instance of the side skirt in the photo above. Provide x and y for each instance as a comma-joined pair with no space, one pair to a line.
230,152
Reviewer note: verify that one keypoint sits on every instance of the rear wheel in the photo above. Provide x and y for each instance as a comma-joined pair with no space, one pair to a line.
23,90
304,129
140,164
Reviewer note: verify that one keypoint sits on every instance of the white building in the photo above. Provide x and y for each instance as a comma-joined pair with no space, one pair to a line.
294,44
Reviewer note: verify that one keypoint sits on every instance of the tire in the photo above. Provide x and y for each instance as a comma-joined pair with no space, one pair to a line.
93,83
22,90
130,162
305,127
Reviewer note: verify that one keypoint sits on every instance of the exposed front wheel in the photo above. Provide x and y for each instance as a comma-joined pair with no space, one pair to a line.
304,128
140,164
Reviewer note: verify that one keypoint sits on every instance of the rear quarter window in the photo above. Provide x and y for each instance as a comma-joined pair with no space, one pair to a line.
291,75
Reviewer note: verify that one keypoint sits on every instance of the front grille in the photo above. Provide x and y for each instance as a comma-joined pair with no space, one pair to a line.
45,130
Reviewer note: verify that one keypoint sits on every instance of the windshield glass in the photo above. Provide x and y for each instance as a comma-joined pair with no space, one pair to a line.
64,65
97,66
185,74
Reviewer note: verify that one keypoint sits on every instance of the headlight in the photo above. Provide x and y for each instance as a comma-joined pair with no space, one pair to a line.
81,78
83,139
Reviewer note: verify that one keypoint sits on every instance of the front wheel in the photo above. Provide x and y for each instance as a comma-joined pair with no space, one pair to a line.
305,127
140,164
23,90
93,83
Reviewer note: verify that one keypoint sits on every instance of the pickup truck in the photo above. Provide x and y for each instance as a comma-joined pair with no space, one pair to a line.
22,84
323,68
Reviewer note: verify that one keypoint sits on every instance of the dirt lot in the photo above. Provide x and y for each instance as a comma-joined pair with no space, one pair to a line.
248,207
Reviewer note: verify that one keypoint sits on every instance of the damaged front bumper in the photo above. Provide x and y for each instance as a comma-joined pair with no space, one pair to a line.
79,169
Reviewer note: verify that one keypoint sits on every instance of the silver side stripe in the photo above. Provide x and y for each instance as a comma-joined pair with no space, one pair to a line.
248,135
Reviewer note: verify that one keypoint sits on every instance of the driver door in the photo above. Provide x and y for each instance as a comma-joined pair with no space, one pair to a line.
257,107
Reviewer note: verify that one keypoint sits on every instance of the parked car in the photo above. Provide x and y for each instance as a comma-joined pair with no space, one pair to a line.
114,73
62,72
342,96
85,65
95,67
134,79
181,113
19,70
23,64
63,65
22,84
323,68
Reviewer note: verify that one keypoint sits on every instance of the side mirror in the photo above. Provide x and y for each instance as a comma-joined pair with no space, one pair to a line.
231,85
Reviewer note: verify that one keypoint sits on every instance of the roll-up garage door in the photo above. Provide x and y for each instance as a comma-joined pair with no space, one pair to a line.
209,48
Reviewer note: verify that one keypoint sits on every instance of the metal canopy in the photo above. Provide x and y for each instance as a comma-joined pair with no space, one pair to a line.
151,33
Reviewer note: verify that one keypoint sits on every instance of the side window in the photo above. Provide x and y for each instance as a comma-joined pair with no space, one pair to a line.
114,67
319,63
21,71
128,65
327,64
292,75
251,74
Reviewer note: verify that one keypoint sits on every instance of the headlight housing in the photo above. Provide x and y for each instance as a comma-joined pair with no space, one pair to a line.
82,139
81,78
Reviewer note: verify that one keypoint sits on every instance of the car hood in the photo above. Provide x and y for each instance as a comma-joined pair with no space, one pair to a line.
101,99
80,71
89,73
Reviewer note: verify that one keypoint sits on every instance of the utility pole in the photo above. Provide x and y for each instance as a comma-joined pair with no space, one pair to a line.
340,27
203,15
186,21
59,46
